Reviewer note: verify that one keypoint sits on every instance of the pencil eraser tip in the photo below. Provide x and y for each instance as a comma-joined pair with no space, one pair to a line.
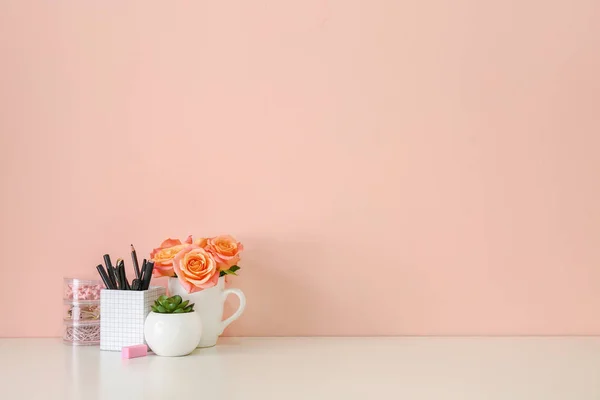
138,350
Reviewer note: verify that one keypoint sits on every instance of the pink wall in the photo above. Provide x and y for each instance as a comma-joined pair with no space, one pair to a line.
393,167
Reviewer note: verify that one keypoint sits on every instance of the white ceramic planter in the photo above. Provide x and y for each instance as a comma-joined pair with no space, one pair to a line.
173,335
209,305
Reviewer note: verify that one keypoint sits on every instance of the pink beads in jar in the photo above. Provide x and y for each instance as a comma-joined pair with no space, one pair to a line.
82,289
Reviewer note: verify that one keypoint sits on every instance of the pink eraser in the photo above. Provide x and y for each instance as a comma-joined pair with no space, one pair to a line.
138,350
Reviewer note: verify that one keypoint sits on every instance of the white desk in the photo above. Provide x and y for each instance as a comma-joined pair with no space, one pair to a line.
311,368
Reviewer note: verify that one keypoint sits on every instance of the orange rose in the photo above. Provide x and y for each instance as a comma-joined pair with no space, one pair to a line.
225,249
163,256
201,242
196,269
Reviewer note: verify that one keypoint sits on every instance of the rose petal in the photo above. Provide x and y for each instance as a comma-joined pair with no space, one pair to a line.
207,285
170,243
202,242
154,251
185,284
162,270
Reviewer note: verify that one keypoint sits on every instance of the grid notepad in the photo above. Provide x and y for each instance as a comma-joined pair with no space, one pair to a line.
122,316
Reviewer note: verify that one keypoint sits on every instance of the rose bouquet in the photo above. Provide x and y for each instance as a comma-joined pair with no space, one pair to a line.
197,264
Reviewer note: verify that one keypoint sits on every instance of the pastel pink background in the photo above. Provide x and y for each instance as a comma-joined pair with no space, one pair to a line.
393,167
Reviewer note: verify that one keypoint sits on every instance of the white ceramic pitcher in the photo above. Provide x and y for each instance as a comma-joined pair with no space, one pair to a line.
209,304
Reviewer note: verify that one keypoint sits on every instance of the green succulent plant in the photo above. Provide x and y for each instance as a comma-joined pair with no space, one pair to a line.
172,305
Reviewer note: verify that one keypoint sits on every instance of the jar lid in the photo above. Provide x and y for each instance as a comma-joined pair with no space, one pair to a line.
76,281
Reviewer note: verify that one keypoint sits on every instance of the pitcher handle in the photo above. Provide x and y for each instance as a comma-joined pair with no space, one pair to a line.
237,312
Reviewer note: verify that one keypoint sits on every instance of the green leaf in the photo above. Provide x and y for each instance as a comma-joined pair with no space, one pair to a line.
230,271
189,308
176,299
154,309
184,304
178,311
162,299
162,309
222,273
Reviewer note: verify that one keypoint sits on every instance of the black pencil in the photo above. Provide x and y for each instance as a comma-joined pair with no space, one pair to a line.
143,274
134,259
124,273
135,284
150,271
104,276
112,273
107,260
147,275
119,275
116,272
110,270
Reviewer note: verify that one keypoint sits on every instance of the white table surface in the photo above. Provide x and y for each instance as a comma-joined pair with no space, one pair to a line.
311,368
